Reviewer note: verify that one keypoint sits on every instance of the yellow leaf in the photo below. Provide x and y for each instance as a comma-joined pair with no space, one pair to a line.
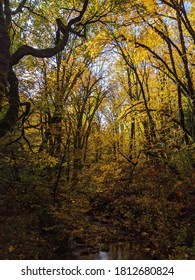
11,248
147,249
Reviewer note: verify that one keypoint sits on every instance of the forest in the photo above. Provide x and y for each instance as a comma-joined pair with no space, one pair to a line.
97,129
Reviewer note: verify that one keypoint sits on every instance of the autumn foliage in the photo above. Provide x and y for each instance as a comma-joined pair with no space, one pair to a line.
97,128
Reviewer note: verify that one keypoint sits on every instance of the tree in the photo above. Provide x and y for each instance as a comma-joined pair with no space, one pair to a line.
9,92
175,29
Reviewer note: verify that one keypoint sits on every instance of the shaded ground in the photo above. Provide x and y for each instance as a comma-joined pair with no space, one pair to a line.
155,212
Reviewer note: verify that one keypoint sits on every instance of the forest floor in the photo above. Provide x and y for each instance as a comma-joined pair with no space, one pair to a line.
155,210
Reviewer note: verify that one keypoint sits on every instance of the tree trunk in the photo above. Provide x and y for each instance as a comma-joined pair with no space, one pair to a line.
193,119
7,78
4,55
11,115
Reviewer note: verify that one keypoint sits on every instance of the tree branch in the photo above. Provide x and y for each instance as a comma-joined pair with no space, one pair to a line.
49,52
138,44
79,17
19,8
41,53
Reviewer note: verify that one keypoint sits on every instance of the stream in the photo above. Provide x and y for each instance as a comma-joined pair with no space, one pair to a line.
118,251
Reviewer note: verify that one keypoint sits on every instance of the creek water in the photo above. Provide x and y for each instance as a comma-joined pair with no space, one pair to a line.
119,251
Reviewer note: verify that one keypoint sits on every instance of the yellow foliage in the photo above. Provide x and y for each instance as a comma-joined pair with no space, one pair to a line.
11,248
44,160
